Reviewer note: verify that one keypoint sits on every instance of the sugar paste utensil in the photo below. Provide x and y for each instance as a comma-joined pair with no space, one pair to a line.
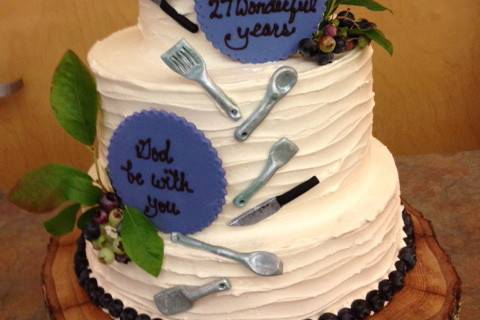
280,154
262,263
182,298
185,61
281,82
273,205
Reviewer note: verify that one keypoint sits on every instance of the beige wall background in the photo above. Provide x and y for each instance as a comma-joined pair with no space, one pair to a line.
427,94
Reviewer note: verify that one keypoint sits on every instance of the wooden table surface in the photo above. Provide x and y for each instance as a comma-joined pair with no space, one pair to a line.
445,188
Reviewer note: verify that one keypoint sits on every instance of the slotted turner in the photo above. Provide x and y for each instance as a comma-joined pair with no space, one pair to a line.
185,61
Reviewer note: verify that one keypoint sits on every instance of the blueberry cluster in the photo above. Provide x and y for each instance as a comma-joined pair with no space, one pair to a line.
376,299
336,35
97,294
103,230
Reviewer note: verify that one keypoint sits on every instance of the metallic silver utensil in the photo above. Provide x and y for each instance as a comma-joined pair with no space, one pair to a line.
185,61
182,298
273,205
280,154
262,263
281,82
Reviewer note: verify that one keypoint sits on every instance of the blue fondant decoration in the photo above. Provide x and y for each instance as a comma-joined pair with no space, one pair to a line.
164,166
255,31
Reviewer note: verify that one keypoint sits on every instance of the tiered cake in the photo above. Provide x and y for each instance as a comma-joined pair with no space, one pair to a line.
337,242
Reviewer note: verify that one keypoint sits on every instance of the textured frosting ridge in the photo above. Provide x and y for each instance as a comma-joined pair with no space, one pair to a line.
337,241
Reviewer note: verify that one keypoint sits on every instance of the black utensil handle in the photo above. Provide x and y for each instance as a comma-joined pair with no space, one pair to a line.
297,191
179,18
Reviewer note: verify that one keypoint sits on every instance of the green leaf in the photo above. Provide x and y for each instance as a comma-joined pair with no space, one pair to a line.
81,190
42,190
378,36
74,98
369,4
64,222
141,241
85,218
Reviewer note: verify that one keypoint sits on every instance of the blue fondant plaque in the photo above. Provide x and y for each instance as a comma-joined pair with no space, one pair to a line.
255,31
164,166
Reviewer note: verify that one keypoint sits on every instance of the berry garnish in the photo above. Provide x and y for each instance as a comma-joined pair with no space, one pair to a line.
363,42
122,258
360,308
375,301
364,24
92,231
100,216
346,314
330,30
106,255
308,47
115,217
328,316
116,308
142,317
324,58
341,45
385,288
408,256
346,18
128,314
397,280
109,201
326,44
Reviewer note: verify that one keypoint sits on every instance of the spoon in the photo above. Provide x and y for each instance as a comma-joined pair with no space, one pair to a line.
280,154
281,82
182,298
262,263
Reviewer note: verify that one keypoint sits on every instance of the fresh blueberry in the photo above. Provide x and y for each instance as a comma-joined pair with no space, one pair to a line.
385,288
408,256
91,285
360,308
328,316
115,217
346,314
109,201
341,45
92,231
128,314
346,18
375,301
122,258
397,280
325,58
330,30
401,266
142,317
95,296
84,276
326,44
408,230
351,44
116,308
308,47
410,242
100,216
106,256
105,300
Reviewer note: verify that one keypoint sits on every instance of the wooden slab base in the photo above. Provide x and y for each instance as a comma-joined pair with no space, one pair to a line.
432,288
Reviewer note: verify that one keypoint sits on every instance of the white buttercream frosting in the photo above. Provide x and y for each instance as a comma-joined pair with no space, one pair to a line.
337,241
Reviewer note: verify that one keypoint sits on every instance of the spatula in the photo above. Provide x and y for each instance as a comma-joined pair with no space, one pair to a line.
187,62
182,298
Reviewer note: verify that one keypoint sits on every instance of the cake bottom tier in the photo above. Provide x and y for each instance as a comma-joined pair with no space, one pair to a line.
324,270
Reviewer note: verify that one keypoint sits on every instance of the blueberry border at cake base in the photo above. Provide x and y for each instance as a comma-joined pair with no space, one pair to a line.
432,288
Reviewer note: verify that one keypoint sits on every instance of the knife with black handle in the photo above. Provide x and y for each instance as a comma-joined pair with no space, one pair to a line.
273,205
